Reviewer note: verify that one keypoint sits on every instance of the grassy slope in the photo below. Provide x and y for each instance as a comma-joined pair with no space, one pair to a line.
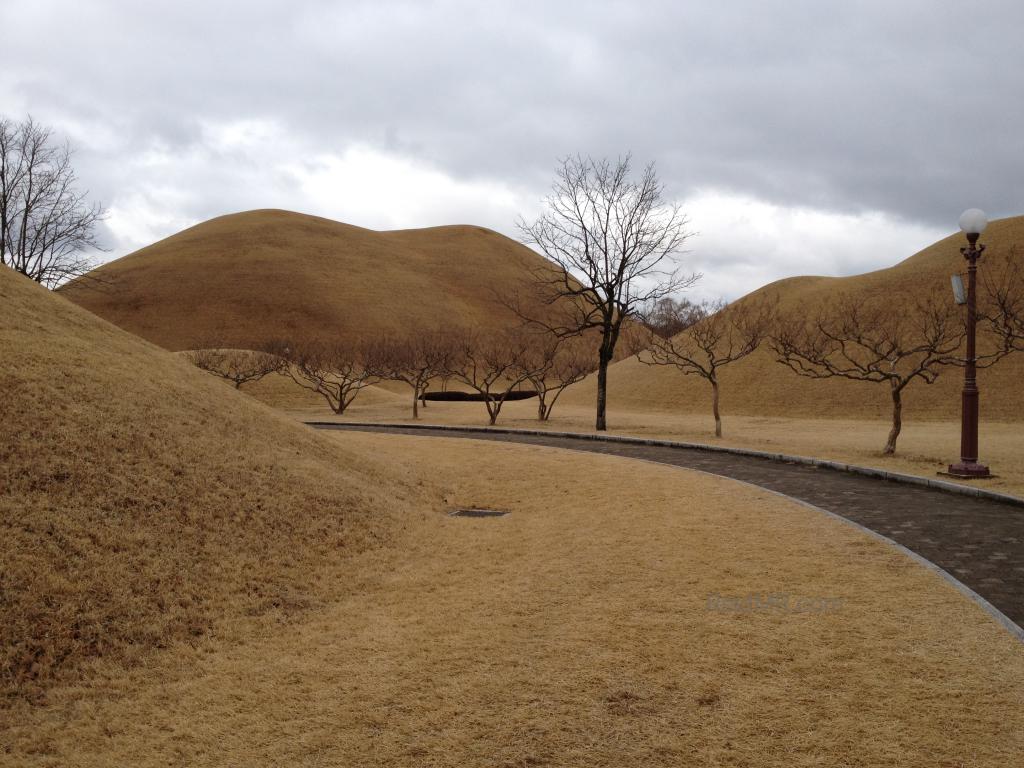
243,278
758,386
143,502
576,631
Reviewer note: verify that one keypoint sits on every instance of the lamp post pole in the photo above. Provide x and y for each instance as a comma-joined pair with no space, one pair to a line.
973,224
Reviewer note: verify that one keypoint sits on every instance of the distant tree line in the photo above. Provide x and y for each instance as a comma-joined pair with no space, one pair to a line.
493,365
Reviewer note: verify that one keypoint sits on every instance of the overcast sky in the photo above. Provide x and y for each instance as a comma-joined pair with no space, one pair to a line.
803,137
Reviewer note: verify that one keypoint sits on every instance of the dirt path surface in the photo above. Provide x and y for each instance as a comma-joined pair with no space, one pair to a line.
980,542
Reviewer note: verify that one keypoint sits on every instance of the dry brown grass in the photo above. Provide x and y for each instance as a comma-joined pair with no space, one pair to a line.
574,631
925,447
758,386
143,503
249,277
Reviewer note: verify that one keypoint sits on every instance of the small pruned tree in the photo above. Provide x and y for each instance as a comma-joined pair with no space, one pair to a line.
884,341
336,371
239,366
45,222
490,364
416,359
551,365
719,335
613,242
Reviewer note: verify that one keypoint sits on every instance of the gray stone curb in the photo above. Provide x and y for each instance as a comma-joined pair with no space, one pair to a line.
896,477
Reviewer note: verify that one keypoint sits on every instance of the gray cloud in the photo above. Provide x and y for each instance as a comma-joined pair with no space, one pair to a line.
909,110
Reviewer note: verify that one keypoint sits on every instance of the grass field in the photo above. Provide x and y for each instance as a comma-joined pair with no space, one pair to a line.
577,630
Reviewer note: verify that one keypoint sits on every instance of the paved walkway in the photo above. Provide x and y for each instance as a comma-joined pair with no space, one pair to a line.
979,541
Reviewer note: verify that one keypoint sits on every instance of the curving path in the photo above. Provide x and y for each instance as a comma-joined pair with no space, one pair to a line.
979,542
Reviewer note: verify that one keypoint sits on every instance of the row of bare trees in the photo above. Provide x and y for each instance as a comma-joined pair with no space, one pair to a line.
869,339
496,366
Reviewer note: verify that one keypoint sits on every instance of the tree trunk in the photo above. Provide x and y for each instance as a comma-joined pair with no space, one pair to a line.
602,390
897,420
343,401
714,407
549,407
542,410
415,403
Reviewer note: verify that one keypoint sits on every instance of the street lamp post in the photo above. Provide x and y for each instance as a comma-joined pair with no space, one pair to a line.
973,223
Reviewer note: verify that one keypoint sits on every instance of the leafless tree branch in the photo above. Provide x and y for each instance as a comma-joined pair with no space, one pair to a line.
613,244
882,341
239,366
336,371
718,335
45,222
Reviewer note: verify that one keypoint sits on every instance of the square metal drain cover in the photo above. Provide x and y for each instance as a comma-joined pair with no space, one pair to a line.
477,512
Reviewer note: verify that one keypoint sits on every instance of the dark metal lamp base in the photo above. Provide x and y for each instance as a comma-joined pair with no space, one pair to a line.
968,470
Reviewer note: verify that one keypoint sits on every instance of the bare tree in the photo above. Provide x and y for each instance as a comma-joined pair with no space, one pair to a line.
416,359
334,370
614,243
45,222
720,335
1003,308
490,364
551,365
239,366
884,341
668,316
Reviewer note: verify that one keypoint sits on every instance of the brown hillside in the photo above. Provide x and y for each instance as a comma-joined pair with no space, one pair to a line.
758,385
246,277
143,502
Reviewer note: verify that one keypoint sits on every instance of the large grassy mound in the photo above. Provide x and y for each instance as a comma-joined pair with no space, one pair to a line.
247,277
143,502
758,386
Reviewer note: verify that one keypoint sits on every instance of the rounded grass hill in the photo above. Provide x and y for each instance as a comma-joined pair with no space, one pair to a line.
759,386
245,278
144,503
